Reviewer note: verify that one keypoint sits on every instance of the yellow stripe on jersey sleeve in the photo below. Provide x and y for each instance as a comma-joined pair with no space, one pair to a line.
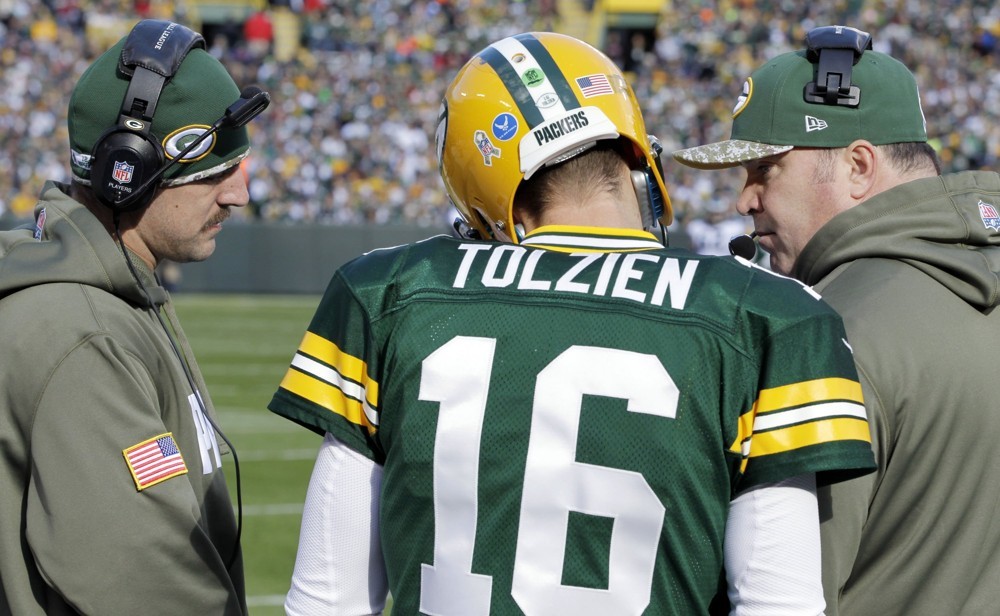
812,399
812,433
346,389
808,392
327,396
348,366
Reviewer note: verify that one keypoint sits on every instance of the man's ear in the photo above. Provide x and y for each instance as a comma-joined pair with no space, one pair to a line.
522,221
863,160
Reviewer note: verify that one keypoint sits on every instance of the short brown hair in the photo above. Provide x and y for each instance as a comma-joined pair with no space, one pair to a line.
596,170
912,156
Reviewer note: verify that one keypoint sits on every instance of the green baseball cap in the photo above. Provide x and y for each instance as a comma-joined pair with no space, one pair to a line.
772,115
191,101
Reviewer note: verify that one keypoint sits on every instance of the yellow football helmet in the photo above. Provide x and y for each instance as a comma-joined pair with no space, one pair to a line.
532,100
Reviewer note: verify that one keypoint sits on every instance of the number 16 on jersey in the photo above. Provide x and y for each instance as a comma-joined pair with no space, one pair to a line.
457,376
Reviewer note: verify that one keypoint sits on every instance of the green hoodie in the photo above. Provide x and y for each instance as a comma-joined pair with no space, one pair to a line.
915,272
88,372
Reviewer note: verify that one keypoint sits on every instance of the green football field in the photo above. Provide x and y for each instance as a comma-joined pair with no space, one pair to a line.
243,344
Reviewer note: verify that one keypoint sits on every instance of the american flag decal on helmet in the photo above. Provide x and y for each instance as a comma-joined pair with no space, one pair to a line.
594,85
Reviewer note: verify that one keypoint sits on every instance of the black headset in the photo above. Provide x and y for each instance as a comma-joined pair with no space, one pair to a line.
127,158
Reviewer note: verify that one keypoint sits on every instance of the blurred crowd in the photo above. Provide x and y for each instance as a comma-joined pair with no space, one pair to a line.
348,138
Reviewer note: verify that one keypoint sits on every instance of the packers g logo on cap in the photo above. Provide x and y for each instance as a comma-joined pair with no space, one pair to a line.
176,141
744,99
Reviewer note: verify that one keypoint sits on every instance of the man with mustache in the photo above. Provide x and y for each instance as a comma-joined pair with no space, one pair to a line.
114,499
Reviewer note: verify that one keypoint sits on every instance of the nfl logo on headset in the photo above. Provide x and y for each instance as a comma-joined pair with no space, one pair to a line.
123,172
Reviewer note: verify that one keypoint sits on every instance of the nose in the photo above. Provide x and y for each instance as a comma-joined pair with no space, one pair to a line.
235,189
748,202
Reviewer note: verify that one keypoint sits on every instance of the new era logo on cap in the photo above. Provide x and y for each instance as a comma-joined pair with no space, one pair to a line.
813,124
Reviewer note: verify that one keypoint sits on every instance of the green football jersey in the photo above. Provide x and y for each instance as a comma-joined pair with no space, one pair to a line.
563,423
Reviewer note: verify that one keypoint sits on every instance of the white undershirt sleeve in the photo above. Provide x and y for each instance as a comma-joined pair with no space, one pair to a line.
339,567
772,550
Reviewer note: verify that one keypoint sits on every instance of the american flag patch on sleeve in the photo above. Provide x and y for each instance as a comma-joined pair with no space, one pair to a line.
154,460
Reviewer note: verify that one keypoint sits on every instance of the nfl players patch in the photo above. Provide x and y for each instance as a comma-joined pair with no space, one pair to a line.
154,460
988,212
39,225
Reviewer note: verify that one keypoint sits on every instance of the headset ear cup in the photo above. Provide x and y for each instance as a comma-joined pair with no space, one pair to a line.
647,193
121,162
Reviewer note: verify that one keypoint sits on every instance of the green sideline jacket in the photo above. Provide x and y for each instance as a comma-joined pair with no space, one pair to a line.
915,272
113,498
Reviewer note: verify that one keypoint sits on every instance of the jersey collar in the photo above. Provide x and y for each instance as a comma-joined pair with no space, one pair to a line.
565,238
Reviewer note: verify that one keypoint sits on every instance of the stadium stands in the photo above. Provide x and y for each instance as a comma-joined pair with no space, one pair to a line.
356,87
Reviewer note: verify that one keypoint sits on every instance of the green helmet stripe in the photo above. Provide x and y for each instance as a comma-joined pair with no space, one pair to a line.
551,70
518,91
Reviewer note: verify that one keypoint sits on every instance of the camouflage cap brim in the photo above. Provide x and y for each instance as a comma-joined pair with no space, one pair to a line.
727,153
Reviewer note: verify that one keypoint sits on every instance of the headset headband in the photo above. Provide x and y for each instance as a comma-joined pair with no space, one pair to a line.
152,53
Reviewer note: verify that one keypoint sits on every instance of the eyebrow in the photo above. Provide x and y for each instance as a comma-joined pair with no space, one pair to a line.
220,176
